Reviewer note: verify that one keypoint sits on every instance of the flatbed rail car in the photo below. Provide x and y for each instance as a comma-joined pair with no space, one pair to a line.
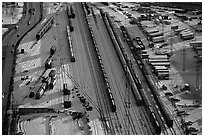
45,28
72,57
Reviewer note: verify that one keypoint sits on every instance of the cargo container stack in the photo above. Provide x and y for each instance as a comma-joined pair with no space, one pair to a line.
159,65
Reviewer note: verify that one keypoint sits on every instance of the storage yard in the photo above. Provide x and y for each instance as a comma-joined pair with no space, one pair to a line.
107,69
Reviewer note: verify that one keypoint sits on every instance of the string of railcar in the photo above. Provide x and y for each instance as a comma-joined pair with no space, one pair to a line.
45,28
158,130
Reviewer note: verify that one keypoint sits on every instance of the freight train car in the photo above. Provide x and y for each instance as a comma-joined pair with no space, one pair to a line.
25,111
136,94
111,100
166,115
72,58
45,28
151,113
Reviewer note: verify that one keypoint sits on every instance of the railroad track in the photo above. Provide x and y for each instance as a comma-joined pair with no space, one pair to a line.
99,100
118,122
122,48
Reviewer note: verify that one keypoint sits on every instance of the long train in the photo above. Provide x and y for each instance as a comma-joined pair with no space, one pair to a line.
72,58
108,91
166,115
45,28
123,59
70,14
149,108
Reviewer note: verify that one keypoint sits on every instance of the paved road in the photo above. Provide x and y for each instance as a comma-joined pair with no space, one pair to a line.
12,39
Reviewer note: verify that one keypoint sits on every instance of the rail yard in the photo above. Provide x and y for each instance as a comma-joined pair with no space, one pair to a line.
99,68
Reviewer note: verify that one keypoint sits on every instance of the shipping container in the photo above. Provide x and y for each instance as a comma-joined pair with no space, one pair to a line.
158,60
166,64
156,68
151,30
174,27
156,57
196,44
163,76
177,31
156,34
187,36
185,33
158,39
161,71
